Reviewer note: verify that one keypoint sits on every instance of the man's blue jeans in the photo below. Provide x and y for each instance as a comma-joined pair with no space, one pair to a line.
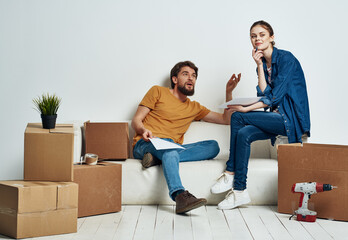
170,158
245,129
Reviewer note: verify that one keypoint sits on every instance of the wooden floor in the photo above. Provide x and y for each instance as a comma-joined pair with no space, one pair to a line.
160,222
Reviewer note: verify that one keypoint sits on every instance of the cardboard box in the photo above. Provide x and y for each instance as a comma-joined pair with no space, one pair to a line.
48,153
99,188
320,163
33,209
107,140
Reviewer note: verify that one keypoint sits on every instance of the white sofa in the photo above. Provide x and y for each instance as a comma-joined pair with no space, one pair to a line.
148,186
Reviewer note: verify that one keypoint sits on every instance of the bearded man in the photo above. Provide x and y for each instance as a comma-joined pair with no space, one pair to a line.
167,114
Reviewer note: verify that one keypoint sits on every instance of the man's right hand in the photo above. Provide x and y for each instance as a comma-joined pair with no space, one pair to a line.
231,85
233,82
147,134
137,123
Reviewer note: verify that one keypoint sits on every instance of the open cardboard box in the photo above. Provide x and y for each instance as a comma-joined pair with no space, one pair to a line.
320,163
109,140
33,209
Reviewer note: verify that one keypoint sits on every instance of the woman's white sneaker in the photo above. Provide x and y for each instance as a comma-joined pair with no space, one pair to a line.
223,184
235,199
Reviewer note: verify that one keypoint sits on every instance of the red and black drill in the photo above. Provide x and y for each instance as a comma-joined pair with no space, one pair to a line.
307,189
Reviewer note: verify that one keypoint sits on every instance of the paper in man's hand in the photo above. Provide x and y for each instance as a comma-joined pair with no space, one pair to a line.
161,144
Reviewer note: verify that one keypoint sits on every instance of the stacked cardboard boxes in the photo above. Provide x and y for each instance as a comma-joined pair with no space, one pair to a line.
48,201
33,209
101,184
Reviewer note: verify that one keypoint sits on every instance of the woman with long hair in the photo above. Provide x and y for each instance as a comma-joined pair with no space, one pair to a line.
282,88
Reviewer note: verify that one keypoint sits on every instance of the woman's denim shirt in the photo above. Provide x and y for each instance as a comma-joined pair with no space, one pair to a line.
287,92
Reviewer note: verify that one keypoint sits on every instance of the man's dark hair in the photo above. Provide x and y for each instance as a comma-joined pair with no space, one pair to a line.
177,68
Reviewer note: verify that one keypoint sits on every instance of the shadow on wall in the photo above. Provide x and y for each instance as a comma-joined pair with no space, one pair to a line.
132,113
166,82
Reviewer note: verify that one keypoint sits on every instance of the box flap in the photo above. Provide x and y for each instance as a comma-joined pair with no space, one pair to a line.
63,128
8,203
26,197
33,196
35,128
326,146
67,195
289,144
313,156
99,165
60,128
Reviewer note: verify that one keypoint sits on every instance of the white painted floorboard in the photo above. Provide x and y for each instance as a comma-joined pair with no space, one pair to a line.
218,225
237,224
146,223
294,228
255,224
164,223
200,224
159,222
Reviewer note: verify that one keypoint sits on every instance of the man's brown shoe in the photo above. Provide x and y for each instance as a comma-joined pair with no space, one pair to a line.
186,202
149,160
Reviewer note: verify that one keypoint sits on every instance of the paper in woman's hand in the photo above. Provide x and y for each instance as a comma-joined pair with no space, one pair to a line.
241,101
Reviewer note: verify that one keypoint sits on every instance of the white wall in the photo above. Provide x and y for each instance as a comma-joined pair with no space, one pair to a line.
102,56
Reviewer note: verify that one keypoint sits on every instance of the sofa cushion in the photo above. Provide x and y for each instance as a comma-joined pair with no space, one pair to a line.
148,186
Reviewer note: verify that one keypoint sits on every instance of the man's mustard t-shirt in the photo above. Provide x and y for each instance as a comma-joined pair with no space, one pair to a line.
168,116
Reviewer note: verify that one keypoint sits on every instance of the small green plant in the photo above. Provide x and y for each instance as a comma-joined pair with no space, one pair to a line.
47,104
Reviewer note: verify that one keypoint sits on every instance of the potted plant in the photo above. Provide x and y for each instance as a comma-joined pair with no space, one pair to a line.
48,106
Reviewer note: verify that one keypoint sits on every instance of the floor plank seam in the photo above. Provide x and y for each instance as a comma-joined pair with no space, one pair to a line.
84,219
120,220
155,223
251,234
270,207
211,229
307,230
98,227
325,230
269,233
193,236
229,228
136,224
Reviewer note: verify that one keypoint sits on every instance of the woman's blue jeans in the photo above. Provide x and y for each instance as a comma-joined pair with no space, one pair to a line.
170,158
245,129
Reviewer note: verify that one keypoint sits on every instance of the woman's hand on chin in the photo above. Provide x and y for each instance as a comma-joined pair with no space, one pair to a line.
257,56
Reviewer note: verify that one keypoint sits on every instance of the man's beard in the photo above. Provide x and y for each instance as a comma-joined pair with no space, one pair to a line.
186,92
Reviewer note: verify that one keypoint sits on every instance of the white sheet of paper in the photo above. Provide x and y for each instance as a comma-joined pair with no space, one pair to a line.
161,144
241,101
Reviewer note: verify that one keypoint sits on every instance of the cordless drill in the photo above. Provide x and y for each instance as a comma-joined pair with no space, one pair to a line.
307,189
